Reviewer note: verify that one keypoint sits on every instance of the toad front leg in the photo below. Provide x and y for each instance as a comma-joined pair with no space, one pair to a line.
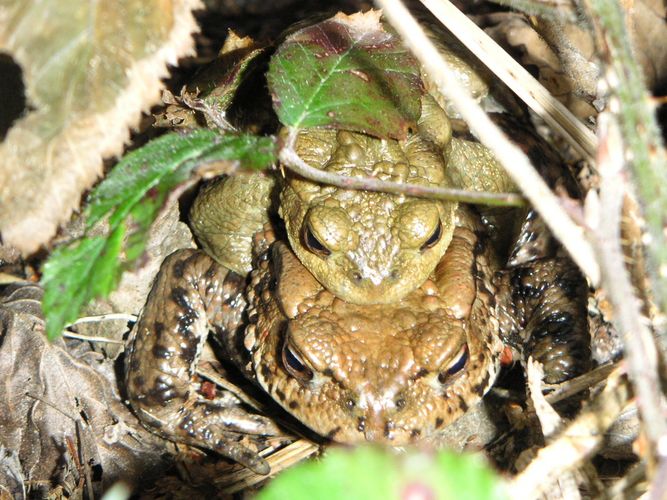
191,295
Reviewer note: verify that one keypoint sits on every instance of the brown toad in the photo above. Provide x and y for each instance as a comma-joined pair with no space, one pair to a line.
376,317
393,373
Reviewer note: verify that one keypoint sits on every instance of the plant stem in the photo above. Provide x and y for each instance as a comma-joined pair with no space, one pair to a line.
295,163
515,76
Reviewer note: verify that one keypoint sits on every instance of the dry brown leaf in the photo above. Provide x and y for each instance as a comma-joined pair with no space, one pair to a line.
89,69
60,411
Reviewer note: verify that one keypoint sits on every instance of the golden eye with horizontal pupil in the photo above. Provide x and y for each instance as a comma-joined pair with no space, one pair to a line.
294,364
324,230
311,242
455,366
433,239
417,221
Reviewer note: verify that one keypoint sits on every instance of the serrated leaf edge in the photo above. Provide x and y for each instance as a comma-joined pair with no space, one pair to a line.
39,220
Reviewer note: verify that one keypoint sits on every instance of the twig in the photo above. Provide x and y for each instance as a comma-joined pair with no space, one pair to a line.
291,159
515,76
549,419
511,157
97,319
581,73
90,338
573,386
105,317
577,442
632,477
640,349
659,485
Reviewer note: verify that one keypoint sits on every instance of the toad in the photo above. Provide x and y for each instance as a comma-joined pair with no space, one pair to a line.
373,317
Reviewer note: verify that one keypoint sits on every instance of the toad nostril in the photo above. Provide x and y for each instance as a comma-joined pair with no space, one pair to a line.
356,277
394,274
350,404
400,403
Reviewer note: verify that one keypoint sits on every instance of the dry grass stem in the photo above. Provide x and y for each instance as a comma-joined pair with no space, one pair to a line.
512,158
106,317
515,76
549,419
90,338
581,73
644,149
632,477
575,385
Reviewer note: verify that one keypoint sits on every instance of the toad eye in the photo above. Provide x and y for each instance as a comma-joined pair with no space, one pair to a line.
294,364
455,366
313,244
433,239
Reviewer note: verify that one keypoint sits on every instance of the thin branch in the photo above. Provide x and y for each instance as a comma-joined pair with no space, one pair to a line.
549,418
636,474
512,158
583,75
659,485
291,160
575,385
98,319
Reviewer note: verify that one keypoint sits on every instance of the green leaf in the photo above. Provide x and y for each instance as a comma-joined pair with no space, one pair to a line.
131,198
75,274
370,473
149,173
364,474
348,72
